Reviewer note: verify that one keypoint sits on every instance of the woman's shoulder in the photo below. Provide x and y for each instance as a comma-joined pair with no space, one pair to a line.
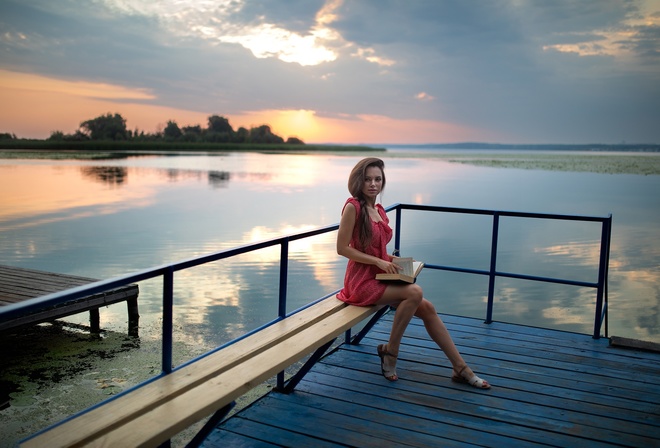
354,202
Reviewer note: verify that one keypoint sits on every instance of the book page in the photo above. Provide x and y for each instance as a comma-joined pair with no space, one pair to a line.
406,264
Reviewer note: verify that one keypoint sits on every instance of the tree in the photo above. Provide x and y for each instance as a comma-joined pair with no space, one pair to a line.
105,127
56,136
220,125
294,141
263,134
196,130
7,136
242,135
172,131
192,133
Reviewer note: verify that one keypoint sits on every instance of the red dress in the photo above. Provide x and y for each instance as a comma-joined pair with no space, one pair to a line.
360,285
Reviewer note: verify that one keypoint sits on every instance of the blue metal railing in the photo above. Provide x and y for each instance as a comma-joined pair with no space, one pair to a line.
10,312
600,285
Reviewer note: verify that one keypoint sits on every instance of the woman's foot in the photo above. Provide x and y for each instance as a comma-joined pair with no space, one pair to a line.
467,376
387,363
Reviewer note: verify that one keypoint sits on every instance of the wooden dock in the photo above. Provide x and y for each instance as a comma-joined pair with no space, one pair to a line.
19,284
550,388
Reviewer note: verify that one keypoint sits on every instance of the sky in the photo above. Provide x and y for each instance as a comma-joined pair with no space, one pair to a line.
338,71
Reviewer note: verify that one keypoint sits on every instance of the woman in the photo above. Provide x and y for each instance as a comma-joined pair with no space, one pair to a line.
362,238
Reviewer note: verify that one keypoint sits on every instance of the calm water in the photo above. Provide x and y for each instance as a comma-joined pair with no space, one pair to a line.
106,218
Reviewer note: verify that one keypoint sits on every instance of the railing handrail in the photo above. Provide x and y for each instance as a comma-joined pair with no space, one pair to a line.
11,311
600,285
166,271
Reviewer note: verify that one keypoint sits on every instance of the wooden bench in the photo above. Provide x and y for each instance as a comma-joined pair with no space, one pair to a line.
20,284
150,415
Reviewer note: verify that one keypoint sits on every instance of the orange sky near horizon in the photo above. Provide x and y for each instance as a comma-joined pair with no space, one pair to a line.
34,106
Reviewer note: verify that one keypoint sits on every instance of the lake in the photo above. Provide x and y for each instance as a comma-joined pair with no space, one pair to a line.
108,217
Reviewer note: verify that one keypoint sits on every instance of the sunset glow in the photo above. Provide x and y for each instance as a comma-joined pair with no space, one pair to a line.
41,105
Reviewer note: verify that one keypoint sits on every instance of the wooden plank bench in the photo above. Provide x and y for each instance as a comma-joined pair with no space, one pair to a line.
20,284
150,415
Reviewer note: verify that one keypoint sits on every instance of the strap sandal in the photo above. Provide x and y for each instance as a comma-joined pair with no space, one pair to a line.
473,381
388,372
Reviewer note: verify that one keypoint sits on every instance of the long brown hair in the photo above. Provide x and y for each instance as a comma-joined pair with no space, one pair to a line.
355,186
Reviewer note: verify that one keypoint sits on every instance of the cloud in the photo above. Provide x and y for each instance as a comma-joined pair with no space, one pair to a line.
423,96
560,71
27,81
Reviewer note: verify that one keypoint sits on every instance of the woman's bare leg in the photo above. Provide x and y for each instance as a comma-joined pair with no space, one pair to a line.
437,330
409,301
406,299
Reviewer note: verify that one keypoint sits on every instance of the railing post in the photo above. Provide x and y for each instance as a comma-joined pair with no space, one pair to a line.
601,296
397,234
168,304
281,311
493,265
284,269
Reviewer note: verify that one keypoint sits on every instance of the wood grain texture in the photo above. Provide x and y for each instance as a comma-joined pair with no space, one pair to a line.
550,388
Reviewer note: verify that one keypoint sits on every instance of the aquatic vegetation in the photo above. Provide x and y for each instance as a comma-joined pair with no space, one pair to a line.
606,163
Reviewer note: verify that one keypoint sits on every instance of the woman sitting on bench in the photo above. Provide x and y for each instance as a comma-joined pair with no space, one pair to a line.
362,238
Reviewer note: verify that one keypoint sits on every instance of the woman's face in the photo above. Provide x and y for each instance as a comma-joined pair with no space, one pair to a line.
373,183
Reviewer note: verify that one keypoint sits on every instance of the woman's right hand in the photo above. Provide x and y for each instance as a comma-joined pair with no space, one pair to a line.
388,267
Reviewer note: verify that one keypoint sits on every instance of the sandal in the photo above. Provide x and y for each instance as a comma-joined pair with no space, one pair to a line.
473,381
389,374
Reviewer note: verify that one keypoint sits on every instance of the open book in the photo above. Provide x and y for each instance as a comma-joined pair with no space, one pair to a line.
409,272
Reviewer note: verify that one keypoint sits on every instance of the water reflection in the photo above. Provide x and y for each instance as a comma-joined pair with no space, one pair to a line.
554,250
219,179
106,218
111,175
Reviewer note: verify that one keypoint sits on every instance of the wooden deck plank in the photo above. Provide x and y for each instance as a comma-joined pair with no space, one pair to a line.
549,388
20,284
368,427
590,374
262,436
519,405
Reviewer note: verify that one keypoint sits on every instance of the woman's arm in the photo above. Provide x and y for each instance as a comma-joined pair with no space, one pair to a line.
346,226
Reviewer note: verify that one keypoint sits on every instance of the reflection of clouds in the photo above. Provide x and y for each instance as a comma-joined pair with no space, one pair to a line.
40,194
625,319
563,316
70,215
634,284
509,295
587,252
319,251
559,306
205,290
574,306
293,171
633,292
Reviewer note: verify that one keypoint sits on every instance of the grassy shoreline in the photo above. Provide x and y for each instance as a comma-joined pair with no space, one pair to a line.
129,146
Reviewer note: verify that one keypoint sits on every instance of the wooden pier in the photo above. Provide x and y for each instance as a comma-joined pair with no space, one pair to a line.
550,388
19,284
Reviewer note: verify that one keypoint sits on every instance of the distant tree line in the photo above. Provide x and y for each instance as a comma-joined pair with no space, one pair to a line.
111,127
